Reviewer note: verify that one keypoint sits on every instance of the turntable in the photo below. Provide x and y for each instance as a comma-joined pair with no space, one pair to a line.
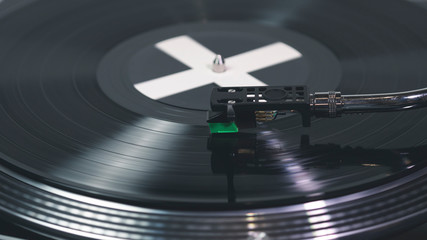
104,129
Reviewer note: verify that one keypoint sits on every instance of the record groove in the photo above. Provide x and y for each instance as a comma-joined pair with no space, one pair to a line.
64,138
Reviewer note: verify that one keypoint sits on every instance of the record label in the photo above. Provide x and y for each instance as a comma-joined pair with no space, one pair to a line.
103,119
173,66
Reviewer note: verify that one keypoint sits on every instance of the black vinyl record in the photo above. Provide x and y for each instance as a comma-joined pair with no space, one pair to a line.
103,119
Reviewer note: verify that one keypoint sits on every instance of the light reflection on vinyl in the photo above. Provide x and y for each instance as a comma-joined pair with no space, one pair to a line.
85,154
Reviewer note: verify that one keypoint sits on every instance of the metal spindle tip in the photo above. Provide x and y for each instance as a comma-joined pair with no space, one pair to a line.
218,65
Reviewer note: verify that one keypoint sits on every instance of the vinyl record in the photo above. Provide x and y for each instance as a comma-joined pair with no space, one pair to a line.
104,134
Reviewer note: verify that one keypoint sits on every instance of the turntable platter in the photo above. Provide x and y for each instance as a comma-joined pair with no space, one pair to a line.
91,110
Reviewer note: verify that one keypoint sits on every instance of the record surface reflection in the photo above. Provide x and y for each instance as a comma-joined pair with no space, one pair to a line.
64,134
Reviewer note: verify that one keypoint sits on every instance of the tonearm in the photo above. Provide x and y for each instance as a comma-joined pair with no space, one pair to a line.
233,108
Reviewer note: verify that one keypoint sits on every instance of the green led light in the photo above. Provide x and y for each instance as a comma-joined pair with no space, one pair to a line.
229,127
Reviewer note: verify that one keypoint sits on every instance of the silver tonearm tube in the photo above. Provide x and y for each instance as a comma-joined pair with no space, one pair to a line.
333,104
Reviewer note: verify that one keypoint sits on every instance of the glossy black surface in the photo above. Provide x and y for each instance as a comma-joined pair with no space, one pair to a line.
59,129
59,126
374,213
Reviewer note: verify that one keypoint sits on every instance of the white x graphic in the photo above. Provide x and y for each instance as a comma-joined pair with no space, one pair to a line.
199,59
